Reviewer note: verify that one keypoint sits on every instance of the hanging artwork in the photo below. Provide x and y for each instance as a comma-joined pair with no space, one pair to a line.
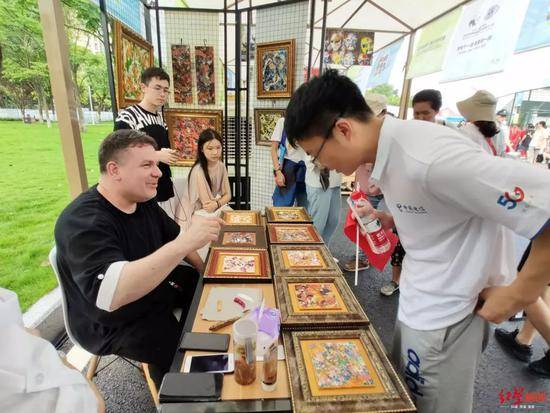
241,236
291,215
133,55
181,73
303,260
264,124
184,128
204,67
342,370
238,265
275,69
241,217
293,234
317,302
348,47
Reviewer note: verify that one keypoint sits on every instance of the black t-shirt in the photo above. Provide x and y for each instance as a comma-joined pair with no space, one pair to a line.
91,234
135,117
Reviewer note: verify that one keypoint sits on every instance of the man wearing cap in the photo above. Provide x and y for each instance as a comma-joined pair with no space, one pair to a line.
447,197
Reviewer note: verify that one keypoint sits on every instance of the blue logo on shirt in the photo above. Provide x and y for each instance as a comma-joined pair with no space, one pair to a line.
511,200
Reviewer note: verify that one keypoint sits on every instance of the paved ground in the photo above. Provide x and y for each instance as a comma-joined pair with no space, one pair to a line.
125,390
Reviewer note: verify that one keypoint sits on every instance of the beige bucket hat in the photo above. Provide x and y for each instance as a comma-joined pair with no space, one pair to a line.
480,106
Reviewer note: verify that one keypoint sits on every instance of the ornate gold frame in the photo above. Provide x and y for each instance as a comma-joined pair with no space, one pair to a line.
260,50
330,269
270,213
257,113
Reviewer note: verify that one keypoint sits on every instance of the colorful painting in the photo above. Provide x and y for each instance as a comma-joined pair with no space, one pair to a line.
233,264
239,238
133,55
206,79
293,234
241,217
181,73
287,215
275,69
184,128
303,259
316,296
348,47
264,124
339,365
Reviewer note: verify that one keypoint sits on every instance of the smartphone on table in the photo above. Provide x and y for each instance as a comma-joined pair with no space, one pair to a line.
210,363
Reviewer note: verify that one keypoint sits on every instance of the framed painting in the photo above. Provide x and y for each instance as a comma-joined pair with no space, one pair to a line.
348,47
133,55
237,236
242,217
293,234
184,128
303,260
264,124
288,215
345,370
181,74
325,302
275,69
237,265
206,79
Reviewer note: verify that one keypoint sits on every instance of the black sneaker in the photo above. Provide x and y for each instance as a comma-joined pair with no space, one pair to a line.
541,367
507,340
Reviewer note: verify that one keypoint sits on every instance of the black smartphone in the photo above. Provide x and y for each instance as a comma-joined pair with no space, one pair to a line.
186,387
205,342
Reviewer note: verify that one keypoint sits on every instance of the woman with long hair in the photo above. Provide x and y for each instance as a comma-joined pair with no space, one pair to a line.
209,187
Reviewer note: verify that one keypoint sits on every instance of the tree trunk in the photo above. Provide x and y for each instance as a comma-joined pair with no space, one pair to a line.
47,108
40,96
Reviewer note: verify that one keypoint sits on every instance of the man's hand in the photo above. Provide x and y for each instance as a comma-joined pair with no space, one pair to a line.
279,178
202,231
503,302
365,209
168,156
210,206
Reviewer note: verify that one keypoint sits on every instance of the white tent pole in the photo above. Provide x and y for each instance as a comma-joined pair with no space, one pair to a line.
406,89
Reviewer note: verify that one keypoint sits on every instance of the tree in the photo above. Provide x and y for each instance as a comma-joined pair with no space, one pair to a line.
388,91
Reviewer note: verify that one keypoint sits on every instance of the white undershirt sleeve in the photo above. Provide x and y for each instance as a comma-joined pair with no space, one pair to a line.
108,285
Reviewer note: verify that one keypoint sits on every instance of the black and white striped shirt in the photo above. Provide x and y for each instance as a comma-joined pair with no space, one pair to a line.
135,117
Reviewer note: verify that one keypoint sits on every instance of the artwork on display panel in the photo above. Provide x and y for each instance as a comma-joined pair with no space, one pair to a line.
309,302
348,47
206,79
342,370
275,69
264,124
181,74
184,128
133,55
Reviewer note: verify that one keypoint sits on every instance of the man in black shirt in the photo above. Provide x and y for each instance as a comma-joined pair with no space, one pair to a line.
147,117
119,255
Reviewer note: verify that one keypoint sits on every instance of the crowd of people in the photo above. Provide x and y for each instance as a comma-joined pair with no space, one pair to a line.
455,202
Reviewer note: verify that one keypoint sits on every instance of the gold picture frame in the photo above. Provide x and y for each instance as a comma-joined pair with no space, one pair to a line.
237,265
293,234
133,55
371,385
275,69
287,215
336,307
264,124
303,260
184,128
242,218
241,236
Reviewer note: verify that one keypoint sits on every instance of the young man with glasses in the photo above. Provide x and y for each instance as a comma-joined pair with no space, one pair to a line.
448,198
147,117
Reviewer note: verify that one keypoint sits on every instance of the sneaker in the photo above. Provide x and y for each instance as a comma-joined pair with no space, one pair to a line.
350,265
507,340
389,288
541,367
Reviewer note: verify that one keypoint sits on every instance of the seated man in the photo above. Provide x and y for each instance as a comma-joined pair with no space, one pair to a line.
119,256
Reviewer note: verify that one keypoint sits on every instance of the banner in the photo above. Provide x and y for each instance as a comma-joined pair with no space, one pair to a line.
384,60
484,38
432,44
535,31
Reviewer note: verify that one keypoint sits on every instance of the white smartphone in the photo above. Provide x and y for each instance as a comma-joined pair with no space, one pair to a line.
211,363
351,204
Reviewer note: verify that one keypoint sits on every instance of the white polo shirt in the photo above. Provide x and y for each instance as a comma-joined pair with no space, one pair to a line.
32,376
313,175
294,154
448,198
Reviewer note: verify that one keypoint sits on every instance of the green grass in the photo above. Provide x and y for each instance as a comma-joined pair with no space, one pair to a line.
33,191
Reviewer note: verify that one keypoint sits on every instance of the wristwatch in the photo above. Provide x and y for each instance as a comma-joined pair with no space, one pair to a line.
275,171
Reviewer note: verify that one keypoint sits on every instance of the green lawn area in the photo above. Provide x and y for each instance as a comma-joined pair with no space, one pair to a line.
33,191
